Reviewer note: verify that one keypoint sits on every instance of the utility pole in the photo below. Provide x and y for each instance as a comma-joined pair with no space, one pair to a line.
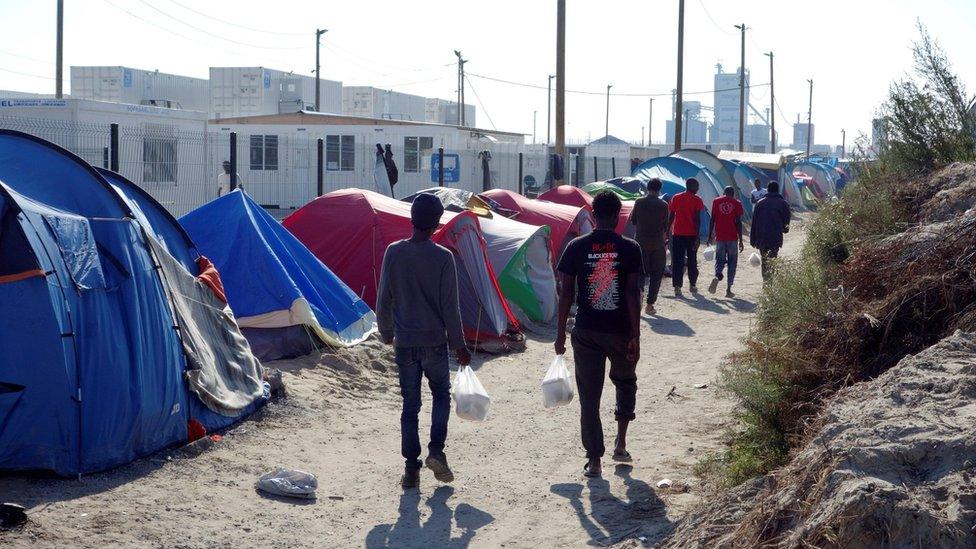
772,107
642,136
318,69
461,62
549,110
650,122
606,133
59,55
742,90
843,143
561,81
534,113
810,118
679,89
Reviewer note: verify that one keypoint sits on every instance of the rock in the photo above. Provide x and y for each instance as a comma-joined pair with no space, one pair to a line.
12,515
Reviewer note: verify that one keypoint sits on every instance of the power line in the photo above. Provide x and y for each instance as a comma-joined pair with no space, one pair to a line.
604,93
212,35
46,61
26,74
480,102
710,18
228,23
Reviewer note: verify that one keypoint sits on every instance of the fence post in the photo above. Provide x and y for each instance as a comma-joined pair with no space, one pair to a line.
440,164
114,148
596,176
319,146
579,168
613,166
105,157
520,189
233,160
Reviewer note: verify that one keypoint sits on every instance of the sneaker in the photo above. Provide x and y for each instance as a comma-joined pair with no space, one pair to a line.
649,309
713,285
677,292
438,464
410,478
694,289
729,294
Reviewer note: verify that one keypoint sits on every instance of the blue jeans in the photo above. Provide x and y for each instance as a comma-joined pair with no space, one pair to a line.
726,253
414,363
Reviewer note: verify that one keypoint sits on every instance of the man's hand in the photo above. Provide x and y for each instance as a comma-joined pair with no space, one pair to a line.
560,345
463,356
708,242
697,243
387,339
742,246
633,349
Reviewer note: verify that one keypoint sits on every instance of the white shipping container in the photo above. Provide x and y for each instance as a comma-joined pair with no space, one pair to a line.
253,91
140,87
372,102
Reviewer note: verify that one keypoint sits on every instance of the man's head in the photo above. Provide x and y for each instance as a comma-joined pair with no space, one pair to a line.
226,165
757,183
729,192
654,186
606,209
425,213
692,185
773,187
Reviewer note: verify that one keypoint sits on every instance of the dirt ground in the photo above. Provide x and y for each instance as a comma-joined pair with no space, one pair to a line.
518,475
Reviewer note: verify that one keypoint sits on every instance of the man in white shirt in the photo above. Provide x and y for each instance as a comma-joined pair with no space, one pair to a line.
223,180
758,193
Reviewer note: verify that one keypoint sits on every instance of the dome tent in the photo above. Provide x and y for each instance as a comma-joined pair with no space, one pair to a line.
350,229
565,222
674,171
283,296
575,196
111,345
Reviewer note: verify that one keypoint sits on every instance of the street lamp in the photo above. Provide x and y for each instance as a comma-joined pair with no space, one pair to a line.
318,68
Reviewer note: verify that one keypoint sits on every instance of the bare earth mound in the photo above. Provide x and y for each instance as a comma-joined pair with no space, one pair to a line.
891,464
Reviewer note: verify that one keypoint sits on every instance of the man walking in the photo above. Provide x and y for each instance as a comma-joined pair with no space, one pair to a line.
417,311
601,270
770,220
223,180
685,224
650,218
758,193
725,228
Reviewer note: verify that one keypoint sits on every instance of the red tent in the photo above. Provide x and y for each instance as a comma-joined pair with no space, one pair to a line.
350,229
565,222
574,196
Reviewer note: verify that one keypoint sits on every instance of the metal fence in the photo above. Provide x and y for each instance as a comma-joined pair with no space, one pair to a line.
283,172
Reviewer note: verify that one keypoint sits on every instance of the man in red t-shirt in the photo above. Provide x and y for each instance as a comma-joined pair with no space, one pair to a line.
725,229
685,225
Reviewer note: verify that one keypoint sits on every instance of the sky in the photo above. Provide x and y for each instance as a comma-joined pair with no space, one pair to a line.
852,49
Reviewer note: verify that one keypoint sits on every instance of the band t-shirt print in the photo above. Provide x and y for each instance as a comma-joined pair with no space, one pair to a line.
601,261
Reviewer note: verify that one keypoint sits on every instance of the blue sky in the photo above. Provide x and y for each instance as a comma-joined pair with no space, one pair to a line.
852,49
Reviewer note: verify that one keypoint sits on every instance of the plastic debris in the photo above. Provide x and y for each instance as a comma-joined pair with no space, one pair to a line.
664,483
290,483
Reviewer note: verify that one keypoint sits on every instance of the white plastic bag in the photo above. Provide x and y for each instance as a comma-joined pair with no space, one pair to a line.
471,401
755,260
557,386
709,253
289,483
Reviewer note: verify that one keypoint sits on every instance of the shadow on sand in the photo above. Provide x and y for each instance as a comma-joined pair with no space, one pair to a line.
612,519
437,530
669,326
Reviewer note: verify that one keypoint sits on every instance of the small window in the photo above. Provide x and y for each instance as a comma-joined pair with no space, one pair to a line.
340,153
416,153
159,160
264,152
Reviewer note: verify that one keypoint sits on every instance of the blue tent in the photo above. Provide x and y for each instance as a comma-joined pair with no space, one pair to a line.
744,176
279,291
673,172
105,336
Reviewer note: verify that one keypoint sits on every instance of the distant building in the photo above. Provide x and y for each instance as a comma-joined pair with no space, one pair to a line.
140,87
253,91
725,127
800,135
376,103
442,111
692,131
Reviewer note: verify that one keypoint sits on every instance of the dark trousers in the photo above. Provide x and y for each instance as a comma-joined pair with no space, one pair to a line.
414,363
768,255
654,259
684,252
590,352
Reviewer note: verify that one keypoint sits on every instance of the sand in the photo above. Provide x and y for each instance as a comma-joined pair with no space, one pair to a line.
518,474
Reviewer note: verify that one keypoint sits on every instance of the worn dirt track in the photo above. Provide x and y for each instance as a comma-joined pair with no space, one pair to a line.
518,475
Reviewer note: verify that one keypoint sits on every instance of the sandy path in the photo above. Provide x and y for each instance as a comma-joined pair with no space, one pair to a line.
518,475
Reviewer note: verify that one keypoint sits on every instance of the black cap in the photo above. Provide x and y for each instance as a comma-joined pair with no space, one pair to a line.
426,211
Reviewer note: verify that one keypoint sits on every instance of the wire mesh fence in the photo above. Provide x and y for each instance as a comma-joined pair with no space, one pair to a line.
282,172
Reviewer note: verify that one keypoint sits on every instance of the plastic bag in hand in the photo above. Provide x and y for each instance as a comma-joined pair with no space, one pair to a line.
755,260
471,401
289,483
557,386
709,253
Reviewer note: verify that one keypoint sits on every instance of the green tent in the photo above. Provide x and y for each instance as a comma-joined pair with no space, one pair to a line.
593,188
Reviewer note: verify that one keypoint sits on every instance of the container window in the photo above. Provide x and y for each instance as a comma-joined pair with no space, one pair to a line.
340,153
159,159
264,152
416,153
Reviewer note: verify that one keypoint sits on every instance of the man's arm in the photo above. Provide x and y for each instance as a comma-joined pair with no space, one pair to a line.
738,226
711,226
450,307
632,283
384,301
567,287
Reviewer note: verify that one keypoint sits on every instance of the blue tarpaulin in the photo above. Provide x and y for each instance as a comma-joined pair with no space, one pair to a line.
271,279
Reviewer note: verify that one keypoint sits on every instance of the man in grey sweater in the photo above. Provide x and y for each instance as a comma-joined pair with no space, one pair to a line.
417,311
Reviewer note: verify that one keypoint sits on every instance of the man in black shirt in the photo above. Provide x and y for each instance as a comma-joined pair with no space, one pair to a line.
650,217
603,269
